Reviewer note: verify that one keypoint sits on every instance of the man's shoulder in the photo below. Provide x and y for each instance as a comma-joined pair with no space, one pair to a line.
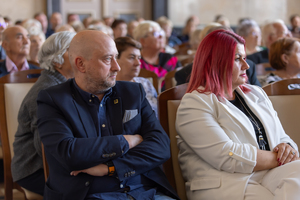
63,87
3,70
259,57
125,86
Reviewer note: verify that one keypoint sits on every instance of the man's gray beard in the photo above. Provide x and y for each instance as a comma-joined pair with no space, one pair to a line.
99,88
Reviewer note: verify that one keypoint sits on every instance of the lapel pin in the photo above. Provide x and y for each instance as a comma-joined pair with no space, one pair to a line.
116,101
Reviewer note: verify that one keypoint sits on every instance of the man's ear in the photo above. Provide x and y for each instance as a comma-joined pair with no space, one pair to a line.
79,63
5,45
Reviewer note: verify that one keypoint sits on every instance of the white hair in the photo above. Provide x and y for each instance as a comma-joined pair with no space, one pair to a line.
54,48
144,28
30,23
269,29
35,31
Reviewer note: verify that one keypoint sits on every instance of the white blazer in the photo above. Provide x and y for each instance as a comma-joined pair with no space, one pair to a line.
217,142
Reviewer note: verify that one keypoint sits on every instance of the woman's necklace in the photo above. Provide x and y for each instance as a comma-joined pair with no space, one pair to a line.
261,141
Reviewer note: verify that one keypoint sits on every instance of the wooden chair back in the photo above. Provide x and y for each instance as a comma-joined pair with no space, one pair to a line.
175,93
153,78
283,87
288,111
179,181
170,78
12,94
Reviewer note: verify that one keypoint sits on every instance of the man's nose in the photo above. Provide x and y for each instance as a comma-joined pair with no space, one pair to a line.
115,66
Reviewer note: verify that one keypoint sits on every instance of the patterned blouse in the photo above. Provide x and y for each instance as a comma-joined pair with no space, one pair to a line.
151,94
167,63
270,78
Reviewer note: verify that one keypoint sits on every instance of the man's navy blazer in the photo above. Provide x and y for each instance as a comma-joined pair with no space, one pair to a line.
3,70
183,76
71,142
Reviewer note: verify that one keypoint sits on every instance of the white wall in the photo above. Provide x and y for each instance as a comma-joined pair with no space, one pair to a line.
21,9
206,10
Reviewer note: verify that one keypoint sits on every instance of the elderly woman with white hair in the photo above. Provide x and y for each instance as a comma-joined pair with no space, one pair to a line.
27,163
251,33
151,36
37,38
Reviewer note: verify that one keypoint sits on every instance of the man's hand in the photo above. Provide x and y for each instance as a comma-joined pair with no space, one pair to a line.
133,140
98,170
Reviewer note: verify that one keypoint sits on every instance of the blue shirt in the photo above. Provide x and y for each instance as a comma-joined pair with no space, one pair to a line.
112,186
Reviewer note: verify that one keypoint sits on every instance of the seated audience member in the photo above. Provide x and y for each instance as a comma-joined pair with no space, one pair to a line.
270,33
42,18
285,58
207,28
189,28
183,76
250,31
101,137
37,38
66,27
151,36
16,45
224,21
231,142
72,17
8,21
130,27
194,41
77,25
129,62
119,27
108,20
55,22
295,22
87,21
167,26
29,23
27,163
3,26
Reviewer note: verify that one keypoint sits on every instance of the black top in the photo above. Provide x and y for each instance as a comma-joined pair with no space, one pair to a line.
237,102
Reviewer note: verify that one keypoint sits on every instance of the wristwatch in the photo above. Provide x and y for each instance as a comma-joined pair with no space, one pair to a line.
111,168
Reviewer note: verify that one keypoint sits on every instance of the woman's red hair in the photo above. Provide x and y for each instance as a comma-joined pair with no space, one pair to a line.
213,64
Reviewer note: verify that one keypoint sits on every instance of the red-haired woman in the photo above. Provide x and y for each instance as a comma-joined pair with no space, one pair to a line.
231,142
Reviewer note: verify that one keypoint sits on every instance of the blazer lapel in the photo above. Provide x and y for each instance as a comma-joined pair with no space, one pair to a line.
114,109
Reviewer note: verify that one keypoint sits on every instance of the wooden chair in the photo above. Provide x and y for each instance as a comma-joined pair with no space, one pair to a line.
283,87
153,78
167,109
45,164
13,88
170,78
285,97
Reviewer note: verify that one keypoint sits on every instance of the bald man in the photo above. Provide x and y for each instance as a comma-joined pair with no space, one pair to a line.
16,44
101,137
270,33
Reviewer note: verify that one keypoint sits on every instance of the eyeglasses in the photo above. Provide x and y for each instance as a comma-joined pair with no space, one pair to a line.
3,24
157,34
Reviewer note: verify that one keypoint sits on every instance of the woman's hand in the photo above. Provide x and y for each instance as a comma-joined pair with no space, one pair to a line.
98,170
285,153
